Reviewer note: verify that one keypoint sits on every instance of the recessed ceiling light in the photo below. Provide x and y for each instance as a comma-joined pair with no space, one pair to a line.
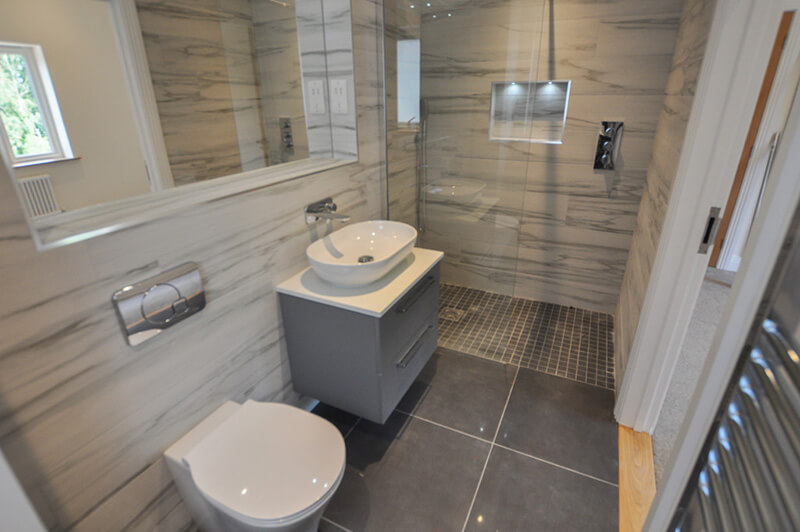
434,16
449,14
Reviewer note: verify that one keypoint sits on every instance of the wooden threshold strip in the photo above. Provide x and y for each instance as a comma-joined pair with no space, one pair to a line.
637,481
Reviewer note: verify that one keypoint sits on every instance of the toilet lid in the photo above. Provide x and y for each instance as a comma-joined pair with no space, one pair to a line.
268,461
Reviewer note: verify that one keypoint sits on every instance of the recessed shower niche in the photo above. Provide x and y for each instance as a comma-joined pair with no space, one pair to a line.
533,112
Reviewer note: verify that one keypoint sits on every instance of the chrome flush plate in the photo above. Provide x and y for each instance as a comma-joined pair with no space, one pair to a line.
148,307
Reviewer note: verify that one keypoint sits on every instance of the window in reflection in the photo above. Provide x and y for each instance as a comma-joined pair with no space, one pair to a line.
408,80
32,129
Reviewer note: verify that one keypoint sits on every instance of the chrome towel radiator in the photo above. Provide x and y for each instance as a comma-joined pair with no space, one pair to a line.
749,475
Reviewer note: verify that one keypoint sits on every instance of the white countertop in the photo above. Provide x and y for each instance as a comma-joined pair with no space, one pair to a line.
374,299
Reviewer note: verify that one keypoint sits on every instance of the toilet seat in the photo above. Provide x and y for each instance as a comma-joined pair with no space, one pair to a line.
268,462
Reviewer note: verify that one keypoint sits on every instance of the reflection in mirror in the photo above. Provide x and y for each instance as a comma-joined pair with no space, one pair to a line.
104,101
72,45
531,112
408,82
227,82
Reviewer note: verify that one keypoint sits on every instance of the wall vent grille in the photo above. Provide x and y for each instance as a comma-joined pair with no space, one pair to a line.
40,199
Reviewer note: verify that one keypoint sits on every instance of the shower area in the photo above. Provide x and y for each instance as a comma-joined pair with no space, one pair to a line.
495,116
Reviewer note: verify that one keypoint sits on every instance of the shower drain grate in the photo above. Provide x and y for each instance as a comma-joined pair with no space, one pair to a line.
451,314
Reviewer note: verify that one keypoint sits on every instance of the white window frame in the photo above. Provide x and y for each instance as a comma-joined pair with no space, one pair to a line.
415,120
45,95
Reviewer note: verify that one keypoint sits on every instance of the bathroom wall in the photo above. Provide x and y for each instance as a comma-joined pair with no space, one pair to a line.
402,154
549,227
84,418
91,95
278,67
684,72
190,46
239,53
400,23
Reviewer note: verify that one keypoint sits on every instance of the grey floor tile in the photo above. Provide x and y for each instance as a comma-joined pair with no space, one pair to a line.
327,526
518,493
344,421
407,475
566,422
461,391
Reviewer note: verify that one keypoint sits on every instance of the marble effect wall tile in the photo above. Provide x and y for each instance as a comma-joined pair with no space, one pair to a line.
570,263
277,59
84,419
402,175
573,224
581,9
240,65
465,269
400,23
311,39
327,56
606,215
685,70
192,84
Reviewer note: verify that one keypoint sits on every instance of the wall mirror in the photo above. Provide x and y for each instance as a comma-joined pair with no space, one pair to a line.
533,112
121,109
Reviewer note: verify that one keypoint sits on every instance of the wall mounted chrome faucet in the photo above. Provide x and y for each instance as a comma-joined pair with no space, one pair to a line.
324,209
148,307
609,141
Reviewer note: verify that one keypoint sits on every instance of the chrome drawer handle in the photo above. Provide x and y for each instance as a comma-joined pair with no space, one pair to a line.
412,298
411,353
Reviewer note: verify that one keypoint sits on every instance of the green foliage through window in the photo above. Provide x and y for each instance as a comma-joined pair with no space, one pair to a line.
20,110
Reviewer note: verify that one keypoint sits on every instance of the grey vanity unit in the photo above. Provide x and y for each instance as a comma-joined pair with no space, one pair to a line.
359,349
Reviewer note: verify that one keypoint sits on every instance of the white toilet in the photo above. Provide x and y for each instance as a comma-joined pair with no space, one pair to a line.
258,467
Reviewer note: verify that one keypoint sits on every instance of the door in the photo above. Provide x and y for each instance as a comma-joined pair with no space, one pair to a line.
769,117
753,298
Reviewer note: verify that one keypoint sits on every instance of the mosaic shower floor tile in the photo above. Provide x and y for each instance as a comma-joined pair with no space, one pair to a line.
568,342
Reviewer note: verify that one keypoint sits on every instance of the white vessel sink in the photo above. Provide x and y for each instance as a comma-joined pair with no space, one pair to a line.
361,253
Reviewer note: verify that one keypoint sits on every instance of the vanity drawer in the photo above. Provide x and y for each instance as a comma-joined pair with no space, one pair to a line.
404,321
360,363
401,369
